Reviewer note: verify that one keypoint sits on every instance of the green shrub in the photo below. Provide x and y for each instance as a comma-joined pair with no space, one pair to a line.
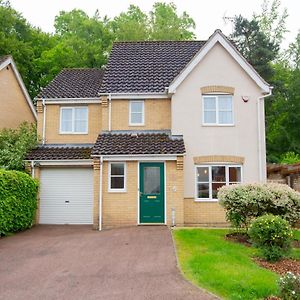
18,194
243,202
15,144
272,235
289,286
290,158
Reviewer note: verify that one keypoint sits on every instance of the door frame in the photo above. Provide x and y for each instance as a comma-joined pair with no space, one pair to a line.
138,192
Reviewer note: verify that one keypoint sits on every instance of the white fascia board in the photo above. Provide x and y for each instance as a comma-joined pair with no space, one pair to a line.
219,37
66,162
146,157
8,61
137,95
72,100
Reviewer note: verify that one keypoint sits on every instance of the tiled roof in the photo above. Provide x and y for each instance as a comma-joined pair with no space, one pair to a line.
74,83
137,144
146,67
58,152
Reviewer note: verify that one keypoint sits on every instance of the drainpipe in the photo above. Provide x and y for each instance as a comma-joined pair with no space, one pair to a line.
32,169
44,122
259,133
109,112
100,193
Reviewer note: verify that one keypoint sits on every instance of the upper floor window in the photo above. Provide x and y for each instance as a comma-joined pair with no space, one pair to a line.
209,178
74,120
217,110
136,113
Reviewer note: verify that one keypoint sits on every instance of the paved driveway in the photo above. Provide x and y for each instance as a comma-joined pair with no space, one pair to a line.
74,262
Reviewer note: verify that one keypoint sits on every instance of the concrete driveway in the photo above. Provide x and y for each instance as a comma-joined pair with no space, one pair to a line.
74,262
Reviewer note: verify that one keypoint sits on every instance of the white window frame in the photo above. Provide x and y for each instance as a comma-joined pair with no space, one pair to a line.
115,190
216,96
73,108
210,182
143,113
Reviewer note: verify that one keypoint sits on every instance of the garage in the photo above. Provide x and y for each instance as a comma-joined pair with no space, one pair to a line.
66,196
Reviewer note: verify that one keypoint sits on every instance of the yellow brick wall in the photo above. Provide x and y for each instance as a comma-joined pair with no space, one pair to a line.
157,115
53,123
174,189
203,213
14,108
120,209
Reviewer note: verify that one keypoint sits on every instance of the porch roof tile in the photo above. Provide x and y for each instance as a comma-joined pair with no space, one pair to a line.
60,152
138,144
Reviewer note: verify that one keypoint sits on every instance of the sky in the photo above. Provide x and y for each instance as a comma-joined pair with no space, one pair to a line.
207,14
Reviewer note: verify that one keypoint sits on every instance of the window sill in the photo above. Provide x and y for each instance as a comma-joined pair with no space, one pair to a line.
206,200
117,191
218,125
73,133
136,125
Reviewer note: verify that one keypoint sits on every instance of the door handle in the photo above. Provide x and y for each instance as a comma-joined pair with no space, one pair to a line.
67,201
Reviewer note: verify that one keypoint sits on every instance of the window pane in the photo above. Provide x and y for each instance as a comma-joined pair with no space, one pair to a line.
225,117
210,117
80,126
203,190
215,187
225,103
136,118
151,180
209,103
218,173
117,169
202,174
137,107
81,113
117,182
66,120
235,174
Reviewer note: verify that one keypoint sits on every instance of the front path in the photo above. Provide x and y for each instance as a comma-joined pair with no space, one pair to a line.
74,262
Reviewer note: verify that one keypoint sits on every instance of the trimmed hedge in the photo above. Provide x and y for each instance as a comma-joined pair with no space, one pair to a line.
18,201
244,202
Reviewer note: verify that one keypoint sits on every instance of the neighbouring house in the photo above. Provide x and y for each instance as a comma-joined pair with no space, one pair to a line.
15,103
287,174
152,138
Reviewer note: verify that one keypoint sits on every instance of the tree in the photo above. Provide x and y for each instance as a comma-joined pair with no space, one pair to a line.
162,23
15,144
272,22
166,24
82,41
255,46
132,25
24,42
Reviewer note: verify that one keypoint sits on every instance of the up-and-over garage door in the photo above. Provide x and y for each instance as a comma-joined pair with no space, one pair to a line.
66,196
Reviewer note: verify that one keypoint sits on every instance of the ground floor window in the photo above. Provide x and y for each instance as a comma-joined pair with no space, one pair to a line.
209,178
117,177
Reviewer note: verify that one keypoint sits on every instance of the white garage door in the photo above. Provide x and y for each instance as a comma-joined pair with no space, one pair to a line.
66,196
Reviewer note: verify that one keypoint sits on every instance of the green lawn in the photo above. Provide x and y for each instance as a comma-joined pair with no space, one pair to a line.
296,252
222,267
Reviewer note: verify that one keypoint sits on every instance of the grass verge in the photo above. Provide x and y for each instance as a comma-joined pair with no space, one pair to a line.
222,267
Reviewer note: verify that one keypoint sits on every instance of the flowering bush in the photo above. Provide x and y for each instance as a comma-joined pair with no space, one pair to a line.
289,286
243,202
272,235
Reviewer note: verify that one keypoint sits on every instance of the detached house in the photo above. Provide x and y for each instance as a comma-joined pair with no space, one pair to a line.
15,103
152,138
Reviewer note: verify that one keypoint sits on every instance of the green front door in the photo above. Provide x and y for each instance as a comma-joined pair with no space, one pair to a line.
152,193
